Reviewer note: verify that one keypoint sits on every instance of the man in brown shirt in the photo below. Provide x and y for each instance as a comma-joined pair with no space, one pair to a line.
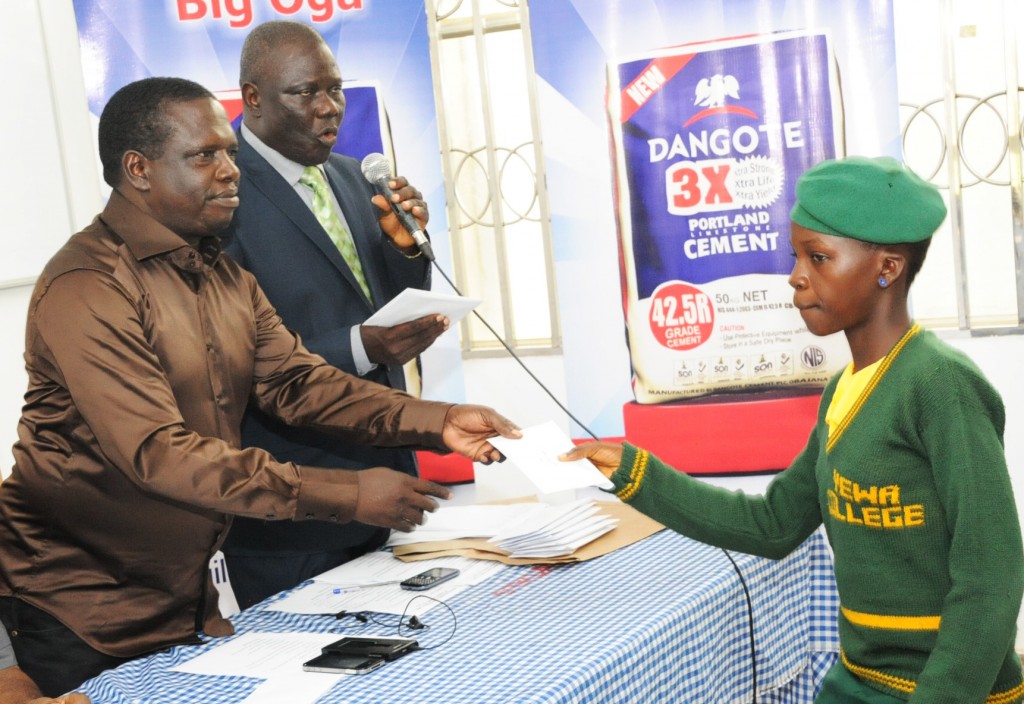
144,344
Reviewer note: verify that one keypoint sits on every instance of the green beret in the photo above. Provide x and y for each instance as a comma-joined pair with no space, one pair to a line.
872,200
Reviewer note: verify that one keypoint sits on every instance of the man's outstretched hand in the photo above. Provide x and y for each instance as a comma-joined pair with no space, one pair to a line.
393,499
467,429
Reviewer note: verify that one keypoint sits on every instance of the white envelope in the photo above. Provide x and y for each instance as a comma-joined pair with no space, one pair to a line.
412,303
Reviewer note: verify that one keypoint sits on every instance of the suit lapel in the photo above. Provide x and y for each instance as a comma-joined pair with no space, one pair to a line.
280,194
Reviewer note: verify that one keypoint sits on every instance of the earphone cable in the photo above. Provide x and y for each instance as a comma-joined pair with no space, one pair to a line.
750,623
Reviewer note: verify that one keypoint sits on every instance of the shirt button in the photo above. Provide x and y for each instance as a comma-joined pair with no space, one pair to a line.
310,514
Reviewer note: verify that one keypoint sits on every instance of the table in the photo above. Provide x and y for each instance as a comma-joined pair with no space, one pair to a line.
663,620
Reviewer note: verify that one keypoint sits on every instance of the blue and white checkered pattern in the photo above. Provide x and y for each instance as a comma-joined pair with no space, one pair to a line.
663,620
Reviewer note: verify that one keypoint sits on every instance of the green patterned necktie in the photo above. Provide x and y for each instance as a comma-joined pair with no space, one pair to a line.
323,209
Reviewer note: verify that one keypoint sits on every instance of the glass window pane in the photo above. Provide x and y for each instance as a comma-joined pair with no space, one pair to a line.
499,233
528,286
478,254
982,160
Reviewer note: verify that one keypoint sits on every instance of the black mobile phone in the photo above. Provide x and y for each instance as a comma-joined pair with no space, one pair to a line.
430,578
343,663
387,648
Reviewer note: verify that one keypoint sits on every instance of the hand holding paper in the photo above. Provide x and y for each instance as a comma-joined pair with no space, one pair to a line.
400,343
412,303
537,453
606,456
472,431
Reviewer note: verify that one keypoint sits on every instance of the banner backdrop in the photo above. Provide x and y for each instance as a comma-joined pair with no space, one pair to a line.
382,49
712,109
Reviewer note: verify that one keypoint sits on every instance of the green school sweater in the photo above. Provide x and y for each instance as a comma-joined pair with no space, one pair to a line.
916,500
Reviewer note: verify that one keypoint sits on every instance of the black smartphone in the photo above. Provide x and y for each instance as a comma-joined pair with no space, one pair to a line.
430,578
343,663
387,648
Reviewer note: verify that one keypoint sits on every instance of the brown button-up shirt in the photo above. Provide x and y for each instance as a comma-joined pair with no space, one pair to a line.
142,353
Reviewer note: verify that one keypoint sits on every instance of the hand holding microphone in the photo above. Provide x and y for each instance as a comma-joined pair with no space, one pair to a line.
377,170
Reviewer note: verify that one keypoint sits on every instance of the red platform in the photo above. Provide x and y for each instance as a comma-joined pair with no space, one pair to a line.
726,434
445,469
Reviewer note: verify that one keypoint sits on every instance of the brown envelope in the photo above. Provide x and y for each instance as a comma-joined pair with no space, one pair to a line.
633,526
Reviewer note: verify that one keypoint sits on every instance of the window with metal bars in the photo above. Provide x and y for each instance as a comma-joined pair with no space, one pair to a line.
491,153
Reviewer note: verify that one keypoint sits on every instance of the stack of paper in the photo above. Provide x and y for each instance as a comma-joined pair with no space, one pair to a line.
553,531
520,529
455,522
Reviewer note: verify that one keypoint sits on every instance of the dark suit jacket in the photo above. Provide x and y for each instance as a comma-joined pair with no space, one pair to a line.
276,236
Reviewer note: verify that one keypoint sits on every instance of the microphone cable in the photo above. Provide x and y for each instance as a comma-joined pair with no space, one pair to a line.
515,356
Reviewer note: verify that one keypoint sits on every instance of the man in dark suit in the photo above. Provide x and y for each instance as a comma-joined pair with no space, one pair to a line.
291,233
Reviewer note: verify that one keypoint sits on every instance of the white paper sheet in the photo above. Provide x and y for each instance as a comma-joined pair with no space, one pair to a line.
536,456
412,303
475,521
303,688
523,529
381,567
319,598
559,530
329,597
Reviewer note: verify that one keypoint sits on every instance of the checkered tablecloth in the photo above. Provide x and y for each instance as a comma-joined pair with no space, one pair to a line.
663,620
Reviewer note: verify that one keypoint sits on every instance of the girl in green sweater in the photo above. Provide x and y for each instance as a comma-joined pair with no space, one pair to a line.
905,465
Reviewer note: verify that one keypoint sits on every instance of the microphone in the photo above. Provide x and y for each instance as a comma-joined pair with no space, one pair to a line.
377,170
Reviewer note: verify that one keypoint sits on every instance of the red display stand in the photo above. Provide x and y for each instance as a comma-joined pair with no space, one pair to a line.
445,469
726,434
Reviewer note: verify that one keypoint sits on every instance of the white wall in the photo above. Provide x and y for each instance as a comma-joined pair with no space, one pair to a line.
13,307
49,186
1000,359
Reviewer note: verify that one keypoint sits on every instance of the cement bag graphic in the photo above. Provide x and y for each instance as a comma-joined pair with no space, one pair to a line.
707,142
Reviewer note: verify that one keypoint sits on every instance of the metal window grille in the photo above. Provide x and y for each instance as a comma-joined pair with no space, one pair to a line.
966,138
485,91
